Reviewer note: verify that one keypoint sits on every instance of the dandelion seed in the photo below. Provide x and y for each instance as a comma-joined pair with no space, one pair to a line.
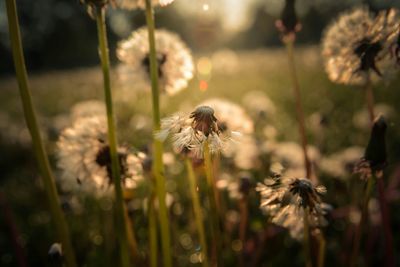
84,158
175,63
356,47
285,199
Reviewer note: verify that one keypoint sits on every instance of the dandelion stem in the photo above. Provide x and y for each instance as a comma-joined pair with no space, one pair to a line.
215,224
244,213
152,232
198,214
359,228
306,238
369,97
299,108
321,251
31,121
385,215
158,168
131,236
112,138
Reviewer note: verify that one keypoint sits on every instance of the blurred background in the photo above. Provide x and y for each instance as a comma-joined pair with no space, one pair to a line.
238,56
58,35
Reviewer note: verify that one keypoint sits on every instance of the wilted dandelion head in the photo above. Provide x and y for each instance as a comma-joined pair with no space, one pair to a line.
134,4
190,132
356,47
375,156
204,120
84,158
285,200
93,5
288,23
175,63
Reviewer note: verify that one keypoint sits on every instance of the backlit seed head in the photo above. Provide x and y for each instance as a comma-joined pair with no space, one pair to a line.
204,120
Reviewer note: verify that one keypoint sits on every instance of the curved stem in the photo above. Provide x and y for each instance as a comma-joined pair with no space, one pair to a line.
299,108
306,238
112,138
359,228
31,121
215,223
198,214
158,168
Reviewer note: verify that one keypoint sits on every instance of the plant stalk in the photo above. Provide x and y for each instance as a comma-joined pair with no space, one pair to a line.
306,238
158,168
38,146
385,214
359,228
244,214
112,138
198,213
215,222
152,232
299,108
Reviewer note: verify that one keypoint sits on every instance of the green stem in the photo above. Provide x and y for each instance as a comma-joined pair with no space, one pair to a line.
299,108
215,224
359,228
158,168
152,232
131,237
112,138
198,214
31,121
306,238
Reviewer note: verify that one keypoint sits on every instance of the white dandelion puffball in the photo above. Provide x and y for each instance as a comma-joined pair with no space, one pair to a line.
356,47
290,156
134,4
341,164
285,199
84,159
259,104
88,108
175,63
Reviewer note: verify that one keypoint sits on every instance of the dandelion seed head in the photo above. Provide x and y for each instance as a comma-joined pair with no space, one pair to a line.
284,199
259,105
341,164
356,47
84,159
175,63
